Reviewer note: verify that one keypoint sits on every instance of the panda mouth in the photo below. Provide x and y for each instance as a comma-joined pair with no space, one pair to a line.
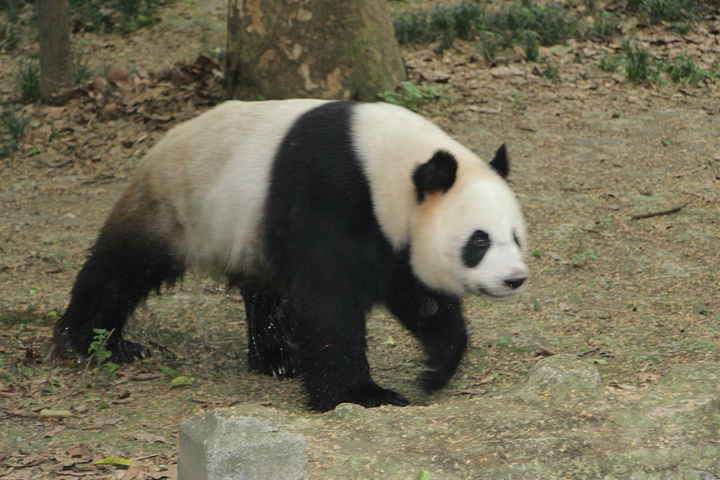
495,296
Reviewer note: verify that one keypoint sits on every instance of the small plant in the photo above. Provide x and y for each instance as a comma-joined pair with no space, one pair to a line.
126,16
9,37
168,372
550,71
582,253
610,63
683,70
99,353
489,46
531,46
11,8
518,102
603,26
14,124
82,72
637,63
28,82
414,96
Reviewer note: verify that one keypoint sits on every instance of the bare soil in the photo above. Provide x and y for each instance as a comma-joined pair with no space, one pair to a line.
619,182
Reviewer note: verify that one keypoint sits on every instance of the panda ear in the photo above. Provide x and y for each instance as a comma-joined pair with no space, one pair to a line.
500,163
435,175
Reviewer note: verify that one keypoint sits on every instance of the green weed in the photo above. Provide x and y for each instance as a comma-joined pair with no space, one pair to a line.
583,254
610,63
637,63
99,353
603,26
11,8
28,82
14,124
531,46
550,71
126,16
9,37
683,70
414,96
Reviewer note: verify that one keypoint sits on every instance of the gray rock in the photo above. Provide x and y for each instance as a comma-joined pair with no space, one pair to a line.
220,445
560,378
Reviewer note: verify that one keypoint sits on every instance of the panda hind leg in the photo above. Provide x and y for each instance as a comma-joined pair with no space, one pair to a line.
122,269
271,350
434,319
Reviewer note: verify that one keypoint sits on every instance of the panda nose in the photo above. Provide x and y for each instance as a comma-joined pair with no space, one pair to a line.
515,282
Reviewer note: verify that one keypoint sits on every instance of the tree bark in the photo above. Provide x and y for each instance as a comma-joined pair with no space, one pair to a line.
56,63
311,48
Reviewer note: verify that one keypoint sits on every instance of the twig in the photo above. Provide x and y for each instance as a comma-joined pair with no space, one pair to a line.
682,174
574,188
657,213
545,352
589,351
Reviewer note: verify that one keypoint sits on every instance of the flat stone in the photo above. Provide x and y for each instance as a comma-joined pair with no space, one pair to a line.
220,445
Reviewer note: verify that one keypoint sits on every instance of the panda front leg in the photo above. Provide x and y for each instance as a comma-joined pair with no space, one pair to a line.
433,318
271,348
334,366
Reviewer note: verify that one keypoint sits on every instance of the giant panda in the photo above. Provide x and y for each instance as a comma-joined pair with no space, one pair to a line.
316,210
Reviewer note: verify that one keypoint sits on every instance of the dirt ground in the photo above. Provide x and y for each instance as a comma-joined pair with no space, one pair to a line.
591,152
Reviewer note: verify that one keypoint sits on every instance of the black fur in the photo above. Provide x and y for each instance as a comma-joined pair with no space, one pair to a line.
322,235
122,269
270,333
500,163
435,175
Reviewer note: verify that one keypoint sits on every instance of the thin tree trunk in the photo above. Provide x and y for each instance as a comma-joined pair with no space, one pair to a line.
311,48
56,63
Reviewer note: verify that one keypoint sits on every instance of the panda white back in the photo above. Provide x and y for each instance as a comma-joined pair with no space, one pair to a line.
214,170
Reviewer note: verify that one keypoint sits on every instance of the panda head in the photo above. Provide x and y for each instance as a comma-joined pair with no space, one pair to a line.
468,235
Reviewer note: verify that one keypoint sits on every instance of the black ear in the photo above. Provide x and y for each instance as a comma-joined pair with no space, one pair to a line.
435,175
500,163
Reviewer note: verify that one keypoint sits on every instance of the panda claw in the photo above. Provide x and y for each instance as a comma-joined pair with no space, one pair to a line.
126,351
374,396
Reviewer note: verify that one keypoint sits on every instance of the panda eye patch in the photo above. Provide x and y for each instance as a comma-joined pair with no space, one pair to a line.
475,248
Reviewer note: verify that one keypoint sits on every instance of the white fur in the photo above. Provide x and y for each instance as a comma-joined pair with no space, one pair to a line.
214,171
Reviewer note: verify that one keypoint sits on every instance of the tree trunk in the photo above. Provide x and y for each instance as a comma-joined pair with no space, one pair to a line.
56,63
311,48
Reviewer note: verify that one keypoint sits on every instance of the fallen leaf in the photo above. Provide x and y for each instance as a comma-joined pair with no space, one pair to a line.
115,461
46,412
182,381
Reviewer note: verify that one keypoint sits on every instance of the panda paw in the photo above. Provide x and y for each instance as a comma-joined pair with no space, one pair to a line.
371,396
126,351
278,363
432,379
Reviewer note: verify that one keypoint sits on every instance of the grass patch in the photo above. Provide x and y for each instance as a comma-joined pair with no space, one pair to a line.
521,23
684,70
14,125
637,63
125,16
413,96
639,66
27,81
